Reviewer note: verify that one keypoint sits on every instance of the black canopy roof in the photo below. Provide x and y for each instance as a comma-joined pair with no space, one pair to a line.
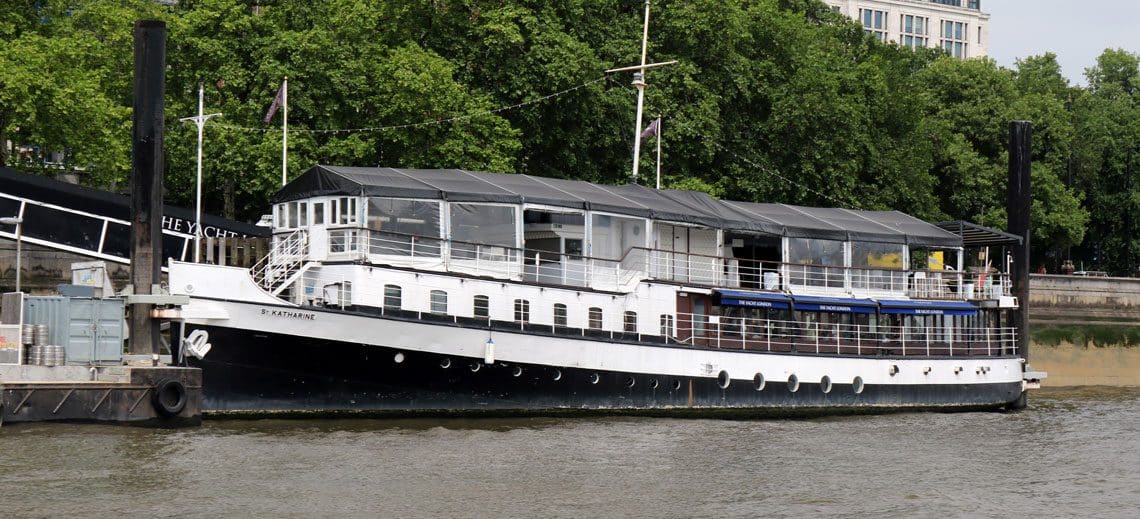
691,207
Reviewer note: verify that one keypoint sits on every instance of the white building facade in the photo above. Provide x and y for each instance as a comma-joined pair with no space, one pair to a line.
957,26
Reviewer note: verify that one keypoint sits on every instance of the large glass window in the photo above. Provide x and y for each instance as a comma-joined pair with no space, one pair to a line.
954,35
874,23
915,31
404,227
612,236
486,224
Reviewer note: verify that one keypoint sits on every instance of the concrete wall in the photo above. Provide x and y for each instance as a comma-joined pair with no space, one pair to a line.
1077,299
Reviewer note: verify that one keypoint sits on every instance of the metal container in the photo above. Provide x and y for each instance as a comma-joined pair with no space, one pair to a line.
26,333
36,357
40,335
91,331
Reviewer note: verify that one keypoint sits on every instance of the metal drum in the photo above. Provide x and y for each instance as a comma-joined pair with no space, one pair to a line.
40,336
53,355
37,355
26,333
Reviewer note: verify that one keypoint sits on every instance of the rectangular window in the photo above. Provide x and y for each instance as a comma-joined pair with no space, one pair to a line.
482,307
559,314
874,23
344,211
318,213
914,30
522,311
629,323
666,325
595,318
392,297
438,302
344,240
954,36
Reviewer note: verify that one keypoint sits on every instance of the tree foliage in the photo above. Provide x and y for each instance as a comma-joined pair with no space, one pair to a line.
771,100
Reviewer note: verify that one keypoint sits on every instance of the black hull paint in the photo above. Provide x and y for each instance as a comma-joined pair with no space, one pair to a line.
255,373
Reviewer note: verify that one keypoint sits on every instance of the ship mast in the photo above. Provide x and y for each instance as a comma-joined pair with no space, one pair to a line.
639,83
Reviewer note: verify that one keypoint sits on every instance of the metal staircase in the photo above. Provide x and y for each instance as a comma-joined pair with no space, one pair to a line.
284,264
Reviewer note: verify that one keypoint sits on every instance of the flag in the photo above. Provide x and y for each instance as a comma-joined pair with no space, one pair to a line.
652,130
276,104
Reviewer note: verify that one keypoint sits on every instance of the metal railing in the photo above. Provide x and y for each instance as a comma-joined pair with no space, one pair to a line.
640,264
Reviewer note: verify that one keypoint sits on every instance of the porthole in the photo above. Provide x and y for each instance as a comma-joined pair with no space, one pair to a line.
445,363
676,385
594,378
722,380
825,384
629,381
476,366
857,385
399,357
793,383
653,383
557,375
517,371
893,370
758,382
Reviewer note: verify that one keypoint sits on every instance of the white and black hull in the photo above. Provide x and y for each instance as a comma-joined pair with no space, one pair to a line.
271,359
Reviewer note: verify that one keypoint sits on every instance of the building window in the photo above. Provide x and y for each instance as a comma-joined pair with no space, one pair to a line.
559,314
522,311
438,302
629,322
392,297
954,36
595,318
915,31
874,22
482,306
666,325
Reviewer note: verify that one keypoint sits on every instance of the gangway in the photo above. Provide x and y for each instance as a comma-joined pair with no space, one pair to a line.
95,223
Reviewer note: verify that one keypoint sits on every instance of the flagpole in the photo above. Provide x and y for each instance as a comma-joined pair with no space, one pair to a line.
284,128
659,123
200,120
639,83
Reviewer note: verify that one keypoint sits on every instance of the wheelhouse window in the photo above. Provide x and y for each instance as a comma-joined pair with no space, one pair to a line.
629,322
344,240
594,318
559,314
318,213
438,302
293,215
522,311
482,305
344,211
393,297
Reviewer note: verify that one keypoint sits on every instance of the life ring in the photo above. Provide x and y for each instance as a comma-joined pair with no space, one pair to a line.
169,397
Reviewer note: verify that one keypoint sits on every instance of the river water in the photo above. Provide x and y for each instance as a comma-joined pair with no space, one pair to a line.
1073,452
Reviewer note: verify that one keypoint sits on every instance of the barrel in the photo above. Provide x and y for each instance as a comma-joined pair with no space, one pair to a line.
26,333
37,355
40,336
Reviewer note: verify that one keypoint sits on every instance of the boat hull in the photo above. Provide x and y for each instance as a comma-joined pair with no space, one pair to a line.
262,371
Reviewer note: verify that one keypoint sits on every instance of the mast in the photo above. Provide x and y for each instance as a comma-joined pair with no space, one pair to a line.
640,84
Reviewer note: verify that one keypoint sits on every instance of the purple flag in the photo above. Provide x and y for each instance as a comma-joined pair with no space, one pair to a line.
653,130
276,104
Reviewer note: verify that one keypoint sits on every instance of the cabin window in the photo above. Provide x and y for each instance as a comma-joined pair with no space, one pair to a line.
482,306
559,314
667,325
392,297
629,322
594,317
485,224
438,302
318,213
344,210
522,310
405,227
344,240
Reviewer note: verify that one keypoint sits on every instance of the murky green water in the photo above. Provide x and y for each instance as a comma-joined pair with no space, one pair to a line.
1074,452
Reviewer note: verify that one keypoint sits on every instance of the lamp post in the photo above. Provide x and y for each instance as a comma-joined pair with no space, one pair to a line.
18,222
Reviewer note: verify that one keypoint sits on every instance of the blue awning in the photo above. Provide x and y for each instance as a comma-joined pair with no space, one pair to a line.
928,307
834,304
753,299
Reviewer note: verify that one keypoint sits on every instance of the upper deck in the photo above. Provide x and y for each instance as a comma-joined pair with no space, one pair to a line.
611,238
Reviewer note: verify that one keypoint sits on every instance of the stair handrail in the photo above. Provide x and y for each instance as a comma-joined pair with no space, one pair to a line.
284,258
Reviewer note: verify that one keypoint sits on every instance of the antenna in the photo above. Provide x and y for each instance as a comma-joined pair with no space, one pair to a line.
639,83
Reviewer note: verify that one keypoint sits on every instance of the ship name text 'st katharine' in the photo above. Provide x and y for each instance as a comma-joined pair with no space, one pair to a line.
450,291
